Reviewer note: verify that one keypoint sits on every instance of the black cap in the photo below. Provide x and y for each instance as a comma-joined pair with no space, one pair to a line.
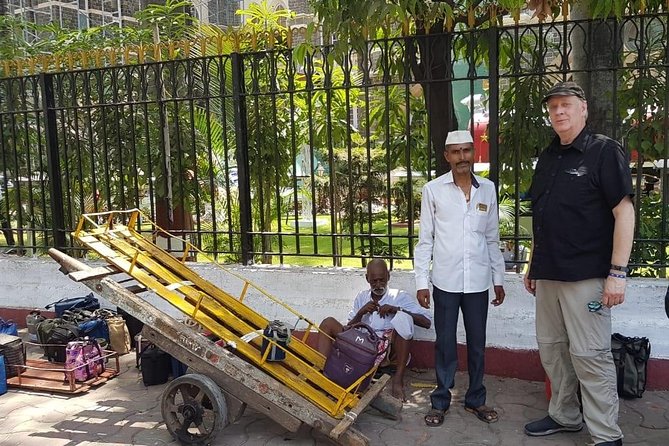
565,89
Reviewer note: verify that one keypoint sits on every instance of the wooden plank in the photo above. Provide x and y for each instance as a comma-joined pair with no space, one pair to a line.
387,404
136,289
236,407
40,374
352,415
353,437
94,273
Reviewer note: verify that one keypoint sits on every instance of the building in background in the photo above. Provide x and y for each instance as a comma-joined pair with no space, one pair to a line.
83,14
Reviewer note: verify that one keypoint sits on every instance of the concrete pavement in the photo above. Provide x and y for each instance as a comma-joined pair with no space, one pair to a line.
125,412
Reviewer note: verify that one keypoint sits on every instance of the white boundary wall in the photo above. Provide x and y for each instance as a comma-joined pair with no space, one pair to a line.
320,292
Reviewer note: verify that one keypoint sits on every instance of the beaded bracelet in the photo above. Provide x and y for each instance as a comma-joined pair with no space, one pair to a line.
618,276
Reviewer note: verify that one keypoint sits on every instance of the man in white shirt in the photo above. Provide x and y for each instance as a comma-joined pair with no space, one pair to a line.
459,236
389,312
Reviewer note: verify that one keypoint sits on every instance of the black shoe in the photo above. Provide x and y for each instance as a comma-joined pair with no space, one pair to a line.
548,426
618,442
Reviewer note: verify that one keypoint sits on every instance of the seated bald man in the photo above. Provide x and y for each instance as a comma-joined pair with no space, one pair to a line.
389,312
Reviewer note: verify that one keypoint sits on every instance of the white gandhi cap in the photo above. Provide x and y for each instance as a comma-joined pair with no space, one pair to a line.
459,137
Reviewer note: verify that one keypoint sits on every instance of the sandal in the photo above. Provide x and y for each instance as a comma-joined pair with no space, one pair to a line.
484,413
435,417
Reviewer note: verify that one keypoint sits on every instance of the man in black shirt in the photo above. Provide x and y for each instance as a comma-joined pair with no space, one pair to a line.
583,227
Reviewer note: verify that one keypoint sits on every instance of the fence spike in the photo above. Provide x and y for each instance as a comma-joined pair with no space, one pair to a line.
405,27
112,56
157,56
140,53
565,11
45,62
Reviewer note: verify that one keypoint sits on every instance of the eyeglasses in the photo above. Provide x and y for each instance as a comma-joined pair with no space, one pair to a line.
594,306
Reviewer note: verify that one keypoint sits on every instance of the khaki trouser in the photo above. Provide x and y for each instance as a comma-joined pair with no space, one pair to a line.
575,346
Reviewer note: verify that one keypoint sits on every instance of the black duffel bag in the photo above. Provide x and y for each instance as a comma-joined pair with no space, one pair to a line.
630,355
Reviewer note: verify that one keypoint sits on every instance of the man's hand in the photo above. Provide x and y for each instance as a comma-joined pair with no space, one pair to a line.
388,310
370,307
499,295
614,291
530,284
423,297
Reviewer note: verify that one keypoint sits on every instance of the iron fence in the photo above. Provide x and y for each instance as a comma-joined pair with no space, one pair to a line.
315,157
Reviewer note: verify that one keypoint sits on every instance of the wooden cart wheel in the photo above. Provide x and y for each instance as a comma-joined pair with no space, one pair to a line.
194,409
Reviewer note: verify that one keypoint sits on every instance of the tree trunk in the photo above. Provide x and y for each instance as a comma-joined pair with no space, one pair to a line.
596,51
431,63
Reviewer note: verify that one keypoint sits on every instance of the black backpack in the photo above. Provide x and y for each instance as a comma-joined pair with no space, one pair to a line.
630,356
55,334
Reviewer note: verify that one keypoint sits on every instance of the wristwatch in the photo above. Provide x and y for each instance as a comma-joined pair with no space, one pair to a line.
624,269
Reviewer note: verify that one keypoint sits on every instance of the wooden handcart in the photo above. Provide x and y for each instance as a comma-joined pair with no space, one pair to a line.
234,372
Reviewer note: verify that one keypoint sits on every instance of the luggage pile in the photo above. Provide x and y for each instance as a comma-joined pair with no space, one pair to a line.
79,334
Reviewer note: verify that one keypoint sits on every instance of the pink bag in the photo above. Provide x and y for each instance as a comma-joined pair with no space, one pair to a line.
353,354
85,357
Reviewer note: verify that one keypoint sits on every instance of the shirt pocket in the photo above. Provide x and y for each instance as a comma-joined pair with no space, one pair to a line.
575,188
478,219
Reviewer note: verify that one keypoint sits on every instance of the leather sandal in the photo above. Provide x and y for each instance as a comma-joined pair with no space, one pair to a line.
435,417
484,413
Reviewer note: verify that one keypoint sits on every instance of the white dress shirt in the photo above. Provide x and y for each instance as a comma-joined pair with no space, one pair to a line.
460,239
395,297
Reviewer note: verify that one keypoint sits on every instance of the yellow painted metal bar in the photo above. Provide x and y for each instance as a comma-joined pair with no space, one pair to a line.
244,291
131,252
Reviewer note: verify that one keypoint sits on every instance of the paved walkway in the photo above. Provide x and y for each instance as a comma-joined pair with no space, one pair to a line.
124,412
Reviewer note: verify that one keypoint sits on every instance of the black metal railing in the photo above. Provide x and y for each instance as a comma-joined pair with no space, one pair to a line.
317,157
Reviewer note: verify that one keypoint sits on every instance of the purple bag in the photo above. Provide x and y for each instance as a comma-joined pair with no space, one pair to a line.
85,357
353,354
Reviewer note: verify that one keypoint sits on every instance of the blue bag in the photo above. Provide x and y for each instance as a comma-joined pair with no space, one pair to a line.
3,376
94,328
8,327
88,302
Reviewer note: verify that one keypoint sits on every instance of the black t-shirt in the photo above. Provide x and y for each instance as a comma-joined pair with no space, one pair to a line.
574,189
